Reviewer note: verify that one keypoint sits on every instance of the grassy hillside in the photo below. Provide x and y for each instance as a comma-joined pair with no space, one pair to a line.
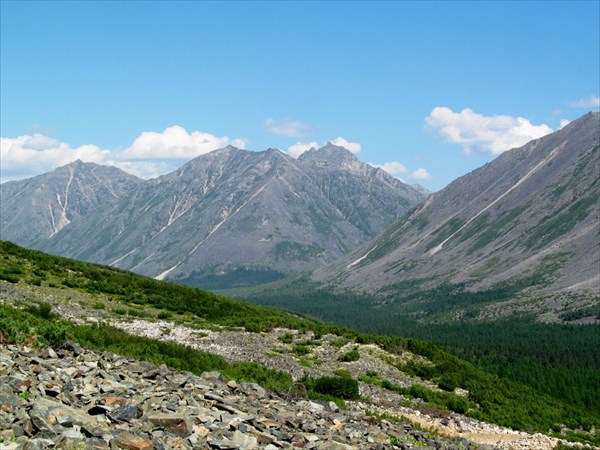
123,294
130,292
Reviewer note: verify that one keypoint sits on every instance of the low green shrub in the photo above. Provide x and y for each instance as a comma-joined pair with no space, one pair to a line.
300,349
342,387
286,338
13,268
458,404
35,281
10,277
252,327
43,310
135,312
352,355
340,342
342,373
419,391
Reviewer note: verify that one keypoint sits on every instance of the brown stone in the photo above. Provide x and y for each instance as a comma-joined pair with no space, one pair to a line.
130,441
177,424
112,401
25,385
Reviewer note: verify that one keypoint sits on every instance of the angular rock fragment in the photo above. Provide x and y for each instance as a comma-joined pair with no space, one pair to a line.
129,441
177,424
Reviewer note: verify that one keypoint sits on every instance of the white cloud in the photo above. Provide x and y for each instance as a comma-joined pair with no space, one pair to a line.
485,134
592,102
420,174
397,169
146,169
564,123
150,155
354,147
300,147
31,155
393,168
286,127
176,143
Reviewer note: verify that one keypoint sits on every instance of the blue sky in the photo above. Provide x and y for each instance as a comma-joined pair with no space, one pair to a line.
428,90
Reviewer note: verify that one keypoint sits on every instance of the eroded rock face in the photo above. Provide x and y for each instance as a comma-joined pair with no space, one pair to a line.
74,398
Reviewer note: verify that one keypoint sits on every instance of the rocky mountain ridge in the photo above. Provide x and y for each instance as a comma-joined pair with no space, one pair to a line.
38,208
529,218
257,215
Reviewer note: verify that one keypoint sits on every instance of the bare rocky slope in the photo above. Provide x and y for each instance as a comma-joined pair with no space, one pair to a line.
37,208
231,214
528,219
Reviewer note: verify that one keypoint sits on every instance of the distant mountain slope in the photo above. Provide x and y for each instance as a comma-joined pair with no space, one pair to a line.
358,190
37,208
234,215
530,217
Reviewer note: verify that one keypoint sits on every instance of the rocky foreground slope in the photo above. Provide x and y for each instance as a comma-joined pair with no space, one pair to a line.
71,397
83,399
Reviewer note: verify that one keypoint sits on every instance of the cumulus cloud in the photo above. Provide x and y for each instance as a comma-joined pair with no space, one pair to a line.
420,175
592,102
150,155
485,134
354,147
34,154
400,171
176,143
564,123
300,147
393,168
286,127
146,169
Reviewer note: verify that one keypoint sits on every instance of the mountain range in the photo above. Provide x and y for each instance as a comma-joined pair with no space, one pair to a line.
526,222
226,217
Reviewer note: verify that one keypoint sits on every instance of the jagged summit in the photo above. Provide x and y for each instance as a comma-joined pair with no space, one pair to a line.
335,157
328,154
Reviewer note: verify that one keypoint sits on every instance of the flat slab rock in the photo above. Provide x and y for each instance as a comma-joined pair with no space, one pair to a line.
72,398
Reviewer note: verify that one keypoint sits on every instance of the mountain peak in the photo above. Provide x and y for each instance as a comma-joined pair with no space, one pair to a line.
227,149
271,151
333,147
329,154
39,207
77,164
